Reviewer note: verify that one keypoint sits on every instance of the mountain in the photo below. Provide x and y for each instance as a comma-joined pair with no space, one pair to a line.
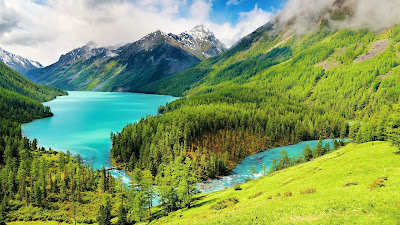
200,40
131,66
280,85
18,63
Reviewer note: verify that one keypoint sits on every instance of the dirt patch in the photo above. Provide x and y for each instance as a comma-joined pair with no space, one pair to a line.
328,65
376,49
389,74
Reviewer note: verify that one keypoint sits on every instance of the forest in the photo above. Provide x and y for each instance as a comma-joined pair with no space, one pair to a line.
272,89
46,185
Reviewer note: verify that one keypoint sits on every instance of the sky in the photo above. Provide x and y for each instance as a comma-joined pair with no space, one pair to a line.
43,30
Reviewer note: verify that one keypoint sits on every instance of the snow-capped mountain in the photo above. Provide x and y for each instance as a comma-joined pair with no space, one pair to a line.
132,66
201,40
18,63
87,51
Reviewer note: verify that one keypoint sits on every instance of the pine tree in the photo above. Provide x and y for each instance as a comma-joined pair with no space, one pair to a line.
2,220
146,187
319,150
264,170
104,217
122,220
253,170
307,153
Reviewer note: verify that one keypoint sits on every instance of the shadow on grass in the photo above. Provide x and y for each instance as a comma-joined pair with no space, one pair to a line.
199,204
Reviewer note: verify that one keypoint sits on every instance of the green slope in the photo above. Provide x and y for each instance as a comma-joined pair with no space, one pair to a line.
39,184
273,88
357,184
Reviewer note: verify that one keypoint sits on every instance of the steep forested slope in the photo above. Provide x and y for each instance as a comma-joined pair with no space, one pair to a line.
39,184
276,86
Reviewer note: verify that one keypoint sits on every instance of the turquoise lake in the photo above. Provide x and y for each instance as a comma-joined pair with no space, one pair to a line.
83,121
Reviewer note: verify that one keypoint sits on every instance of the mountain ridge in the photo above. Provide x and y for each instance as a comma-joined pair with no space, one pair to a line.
131,66
18,63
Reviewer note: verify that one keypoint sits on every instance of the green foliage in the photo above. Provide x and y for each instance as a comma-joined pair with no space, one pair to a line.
37,184
122,216
319,196
237,187
104,217
224,203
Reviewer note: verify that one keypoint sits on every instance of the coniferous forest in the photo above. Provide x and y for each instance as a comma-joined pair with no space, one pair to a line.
276,87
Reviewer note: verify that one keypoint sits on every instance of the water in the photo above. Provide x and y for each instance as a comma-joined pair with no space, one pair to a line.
242,170
83,121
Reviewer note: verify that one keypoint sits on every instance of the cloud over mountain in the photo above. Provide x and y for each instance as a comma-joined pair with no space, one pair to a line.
44,29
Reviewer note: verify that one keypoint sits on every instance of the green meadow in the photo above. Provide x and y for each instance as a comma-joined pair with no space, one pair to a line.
357,184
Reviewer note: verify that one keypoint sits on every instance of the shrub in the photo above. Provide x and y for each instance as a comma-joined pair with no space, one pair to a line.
288,194
378,182
308,191
351,183
237,187
224,203
256,195
247,179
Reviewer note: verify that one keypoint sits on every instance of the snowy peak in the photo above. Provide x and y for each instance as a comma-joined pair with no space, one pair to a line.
86,52
200,40
17,62
200,32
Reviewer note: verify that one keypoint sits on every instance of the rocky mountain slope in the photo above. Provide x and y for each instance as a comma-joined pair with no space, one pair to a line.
128,68
18,63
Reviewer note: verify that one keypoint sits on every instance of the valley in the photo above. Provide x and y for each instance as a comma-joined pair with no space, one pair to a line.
297,122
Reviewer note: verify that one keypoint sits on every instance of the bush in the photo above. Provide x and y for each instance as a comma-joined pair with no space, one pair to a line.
288,194
378,182
224,203
308,191
351,183
256,195
247,179
237,187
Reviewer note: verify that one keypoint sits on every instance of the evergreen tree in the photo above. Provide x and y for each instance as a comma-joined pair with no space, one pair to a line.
2,220
104,217
253,170
307,153
264,170
122,217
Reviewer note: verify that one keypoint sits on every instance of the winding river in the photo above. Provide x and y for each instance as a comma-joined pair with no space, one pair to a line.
83,121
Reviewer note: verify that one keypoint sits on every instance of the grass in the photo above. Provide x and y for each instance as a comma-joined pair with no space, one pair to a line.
41,223
358,184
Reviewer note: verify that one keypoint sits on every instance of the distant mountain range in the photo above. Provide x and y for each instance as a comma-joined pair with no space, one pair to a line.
18,63
131,66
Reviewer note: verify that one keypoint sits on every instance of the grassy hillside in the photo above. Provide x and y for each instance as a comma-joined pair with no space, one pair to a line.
357,184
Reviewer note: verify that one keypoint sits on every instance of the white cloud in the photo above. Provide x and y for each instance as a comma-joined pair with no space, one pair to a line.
45,31
234,2
248,22
200,9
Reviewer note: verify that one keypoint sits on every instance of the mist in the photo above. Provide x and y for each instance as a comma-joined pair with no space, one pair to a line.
306,15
